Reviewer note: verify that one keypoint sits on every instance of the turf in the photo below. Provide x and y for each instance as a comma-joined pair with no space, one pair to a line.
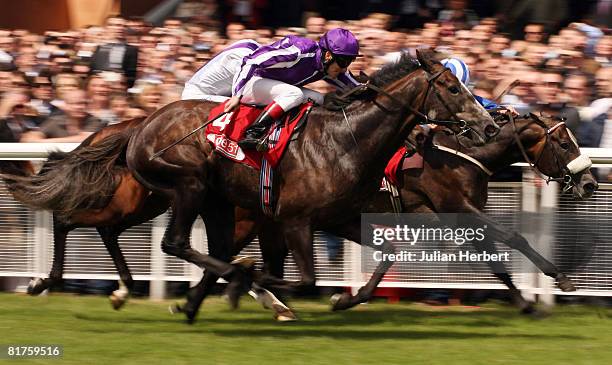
376,333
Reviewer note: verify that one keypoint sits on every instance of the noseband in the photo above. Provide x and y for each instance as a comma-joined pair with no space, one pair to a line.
575,166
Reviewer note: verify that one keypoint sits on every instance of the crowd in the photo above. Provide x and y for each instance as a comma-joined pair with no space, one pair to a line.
62,86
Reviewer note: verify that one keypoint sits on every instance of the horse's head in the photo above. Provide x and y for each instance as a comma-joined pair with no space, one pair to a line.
551,147
448,102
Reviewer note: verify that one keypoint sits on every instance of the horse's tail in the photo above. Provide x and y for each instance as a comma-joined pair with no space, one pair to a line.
82,179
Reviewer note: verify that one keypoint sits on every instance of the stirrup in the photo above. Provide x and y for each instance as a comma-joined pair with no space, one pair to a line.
262,145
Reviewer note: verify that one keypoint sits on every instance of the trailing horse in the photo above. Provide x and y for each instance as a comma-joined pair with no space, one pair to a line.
88,187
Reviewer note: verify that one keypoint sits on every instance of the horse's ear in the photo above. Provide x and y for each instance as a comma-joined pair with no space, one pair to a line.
427,58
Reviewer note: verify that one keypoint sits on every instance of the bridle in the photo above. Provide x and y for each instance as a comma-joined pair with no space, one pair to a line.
425,119
579,164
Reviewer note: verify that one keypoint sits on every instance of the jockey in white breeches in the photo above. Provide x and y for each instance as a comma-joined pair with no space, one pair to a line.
213,81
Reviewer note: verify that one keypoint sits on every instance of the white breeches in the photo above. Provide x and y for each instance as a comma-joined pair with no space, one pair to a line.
262,91
197,92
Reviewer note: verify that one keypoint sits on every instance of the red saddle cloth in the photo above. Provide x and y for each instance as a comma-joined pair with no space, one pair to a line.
229,129
399,163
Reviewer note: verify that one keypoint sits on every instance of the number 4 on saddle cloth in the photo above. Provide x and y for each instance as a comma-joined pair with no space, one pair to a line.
225,133
228,130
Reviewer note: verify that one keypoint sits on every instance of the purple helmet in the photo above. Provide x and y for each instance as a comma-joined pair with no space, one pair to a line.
341,42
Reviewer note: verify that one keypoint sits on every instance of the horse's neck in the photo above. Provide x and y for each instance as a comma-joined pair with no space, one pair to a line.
373,131
497,154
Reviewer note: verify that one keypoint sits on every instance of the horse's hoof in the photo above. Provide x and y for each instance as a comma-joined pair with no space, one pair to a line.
335,299
565,284
116,301
35,286
284,315
529,309
175,308
340,301
246,262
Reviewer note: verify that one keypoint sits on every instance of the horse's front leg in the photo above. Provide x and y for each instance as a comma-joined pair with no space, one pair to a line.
186,207
218,216
499,270
516,241
298,237
60,233
352,231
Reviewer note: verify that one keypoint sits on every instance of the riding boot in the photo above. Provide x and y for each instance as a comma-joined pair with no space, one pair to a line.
254,133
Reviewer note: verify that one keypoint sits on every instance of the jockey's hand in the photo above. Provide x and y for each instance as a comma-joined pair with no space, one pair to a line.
232,103
512,110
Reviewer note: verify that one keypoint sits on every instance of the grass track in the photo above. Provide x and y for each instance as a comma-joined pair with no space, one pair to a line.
379,333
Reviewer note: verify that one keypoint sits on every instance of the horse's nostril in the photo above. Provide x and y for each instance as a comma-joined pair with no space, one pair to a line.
590,187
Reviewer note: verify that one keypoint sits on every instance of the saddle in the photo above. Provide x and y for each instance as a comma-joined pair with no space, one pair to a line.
407,157
225,132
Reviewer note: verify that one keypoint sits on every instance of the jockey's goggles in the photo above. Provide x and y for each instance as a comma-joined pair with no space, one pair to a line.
343,61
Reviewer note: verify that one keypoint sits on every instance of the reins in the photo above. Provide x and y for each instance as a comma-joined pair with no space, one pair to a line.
424,118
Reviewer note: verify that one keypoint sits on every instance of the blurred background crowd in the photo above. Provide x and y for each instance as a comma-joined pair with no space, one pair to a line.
61,86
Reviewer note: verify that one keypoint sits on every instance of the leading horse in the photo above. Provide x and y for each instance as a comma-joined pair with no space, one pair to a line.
331,169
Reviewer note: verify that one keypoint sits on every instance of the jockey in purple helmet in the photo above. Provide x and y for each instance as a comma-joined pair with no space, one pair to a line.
462,72
273,75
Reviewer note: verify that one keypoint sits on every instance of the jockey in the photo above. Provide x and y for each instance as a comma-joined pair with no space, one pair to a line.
462,72
273,75
213,81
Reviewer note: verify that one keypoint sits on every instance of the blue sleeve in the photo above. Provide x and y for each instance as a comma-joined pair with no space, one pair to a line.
486,103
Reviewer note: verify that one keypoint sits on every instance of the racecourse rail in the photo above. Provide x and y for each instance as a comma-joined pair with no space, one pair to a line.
26,242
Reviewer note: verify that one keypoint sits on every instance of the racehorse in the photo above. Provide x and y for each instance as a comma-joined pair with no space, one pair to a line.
450,182
326,152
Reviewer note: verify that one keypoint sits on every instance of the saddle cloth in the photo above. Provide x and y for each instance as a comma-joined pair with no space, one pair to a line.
225,132
400,162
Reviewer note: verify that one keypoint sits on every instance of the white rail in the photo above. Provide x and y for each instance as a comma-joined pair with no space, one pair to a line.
26,241
39,151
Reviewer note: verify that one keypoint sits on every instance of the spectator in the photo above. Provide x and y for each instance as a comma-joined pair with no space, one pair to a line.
456,12
548,90
15,112
98,102
43,95
534,33
149,97
120,106
73,124
115,54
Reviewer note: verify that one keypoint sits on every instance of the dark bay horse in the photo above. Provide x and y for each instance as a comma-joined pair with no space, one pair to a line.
461,187
330,169
451,183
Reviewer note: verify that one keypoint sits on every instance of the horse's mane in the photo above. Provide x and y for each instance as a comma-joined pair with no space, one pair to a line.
395,70
387,74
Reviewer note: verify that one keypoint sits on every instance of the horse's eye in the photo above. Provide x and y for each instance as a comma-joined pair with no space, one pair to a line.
454,90
565,145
